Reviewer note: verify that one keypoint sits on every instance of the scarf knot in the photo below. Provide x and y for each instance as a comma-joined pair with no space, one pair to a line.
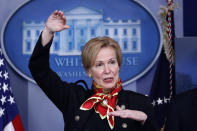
103,103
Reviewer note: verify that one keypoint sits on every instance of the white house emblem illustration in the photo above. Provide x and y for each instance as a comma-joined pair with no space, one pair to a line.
85,24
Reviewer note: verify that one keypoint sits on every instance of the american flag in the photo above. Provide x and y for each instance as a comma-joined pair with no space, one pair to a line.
9,115
163,86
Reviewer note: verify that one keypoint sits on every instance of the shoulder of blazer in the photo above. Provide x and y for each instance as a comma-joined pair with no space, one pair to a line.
132,94
133,99
82,86
79,91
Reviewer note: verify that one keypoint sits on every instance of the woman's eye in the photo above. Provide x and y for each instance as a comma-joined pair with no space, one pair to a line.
113,62
99,64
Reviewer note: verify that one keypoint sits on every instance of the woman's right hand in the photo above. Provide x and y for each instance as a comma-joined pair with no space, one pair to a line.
55,23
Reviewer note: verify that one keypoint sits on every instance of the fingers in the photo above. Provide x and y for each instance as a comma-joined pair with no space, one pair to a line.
66,26
58,18
119,113
114,113
55,13
118,108
59,13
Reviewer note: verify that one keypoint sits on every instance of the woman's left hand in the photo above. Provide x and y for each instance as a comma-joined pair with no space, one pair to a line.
131,114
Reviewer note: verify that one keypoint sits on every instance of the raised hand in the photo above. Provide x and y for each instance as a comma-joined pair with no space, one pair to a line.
56,22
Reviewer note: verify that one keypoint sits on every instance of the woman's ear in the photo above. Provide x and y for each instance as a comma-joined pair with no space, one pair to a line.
88,72
89,75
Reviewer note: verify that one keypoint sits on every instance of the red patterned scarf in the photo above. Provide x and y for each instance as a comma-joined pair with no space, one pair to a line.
102,102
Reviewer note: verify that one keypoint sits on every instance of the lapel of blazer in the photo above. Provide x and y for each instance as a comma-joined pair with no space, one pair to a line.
81,116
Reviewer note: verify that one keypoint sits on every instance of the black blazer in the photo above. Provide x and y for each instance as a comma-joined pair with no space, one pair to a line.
183,112
68,97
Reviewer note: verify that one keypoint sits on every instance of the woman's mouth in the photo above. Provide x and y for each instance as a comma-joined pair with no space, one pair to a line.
108,79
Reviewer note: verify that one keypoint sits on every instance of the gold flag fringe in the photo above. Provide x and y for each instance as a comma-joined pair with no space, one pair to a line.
163,13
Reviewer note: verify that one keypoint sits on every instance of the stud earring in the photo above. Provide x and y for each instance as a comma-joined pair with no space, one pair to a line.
89,75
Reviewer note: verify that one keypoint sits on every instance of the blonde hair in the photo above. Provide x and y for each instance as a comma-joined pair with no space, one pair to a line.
92,48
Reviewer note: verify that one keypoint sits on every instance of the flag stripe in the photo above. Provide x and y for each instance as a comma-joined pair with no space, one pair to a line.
9,127
17,123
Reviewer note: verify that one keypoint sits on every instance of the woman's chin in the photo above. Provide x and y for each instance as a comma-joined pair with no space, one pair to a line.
109,86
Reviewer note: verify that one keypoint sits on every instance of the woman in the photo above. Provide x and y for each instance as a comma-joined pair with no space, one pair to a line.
106,106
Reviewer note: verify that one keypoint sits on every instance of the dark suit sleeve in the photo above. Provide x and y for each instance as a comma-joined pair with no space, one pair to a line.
48,81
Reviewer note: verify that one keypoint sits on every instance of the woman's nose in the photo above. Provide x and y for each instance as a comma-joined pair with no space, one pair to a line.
106,69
